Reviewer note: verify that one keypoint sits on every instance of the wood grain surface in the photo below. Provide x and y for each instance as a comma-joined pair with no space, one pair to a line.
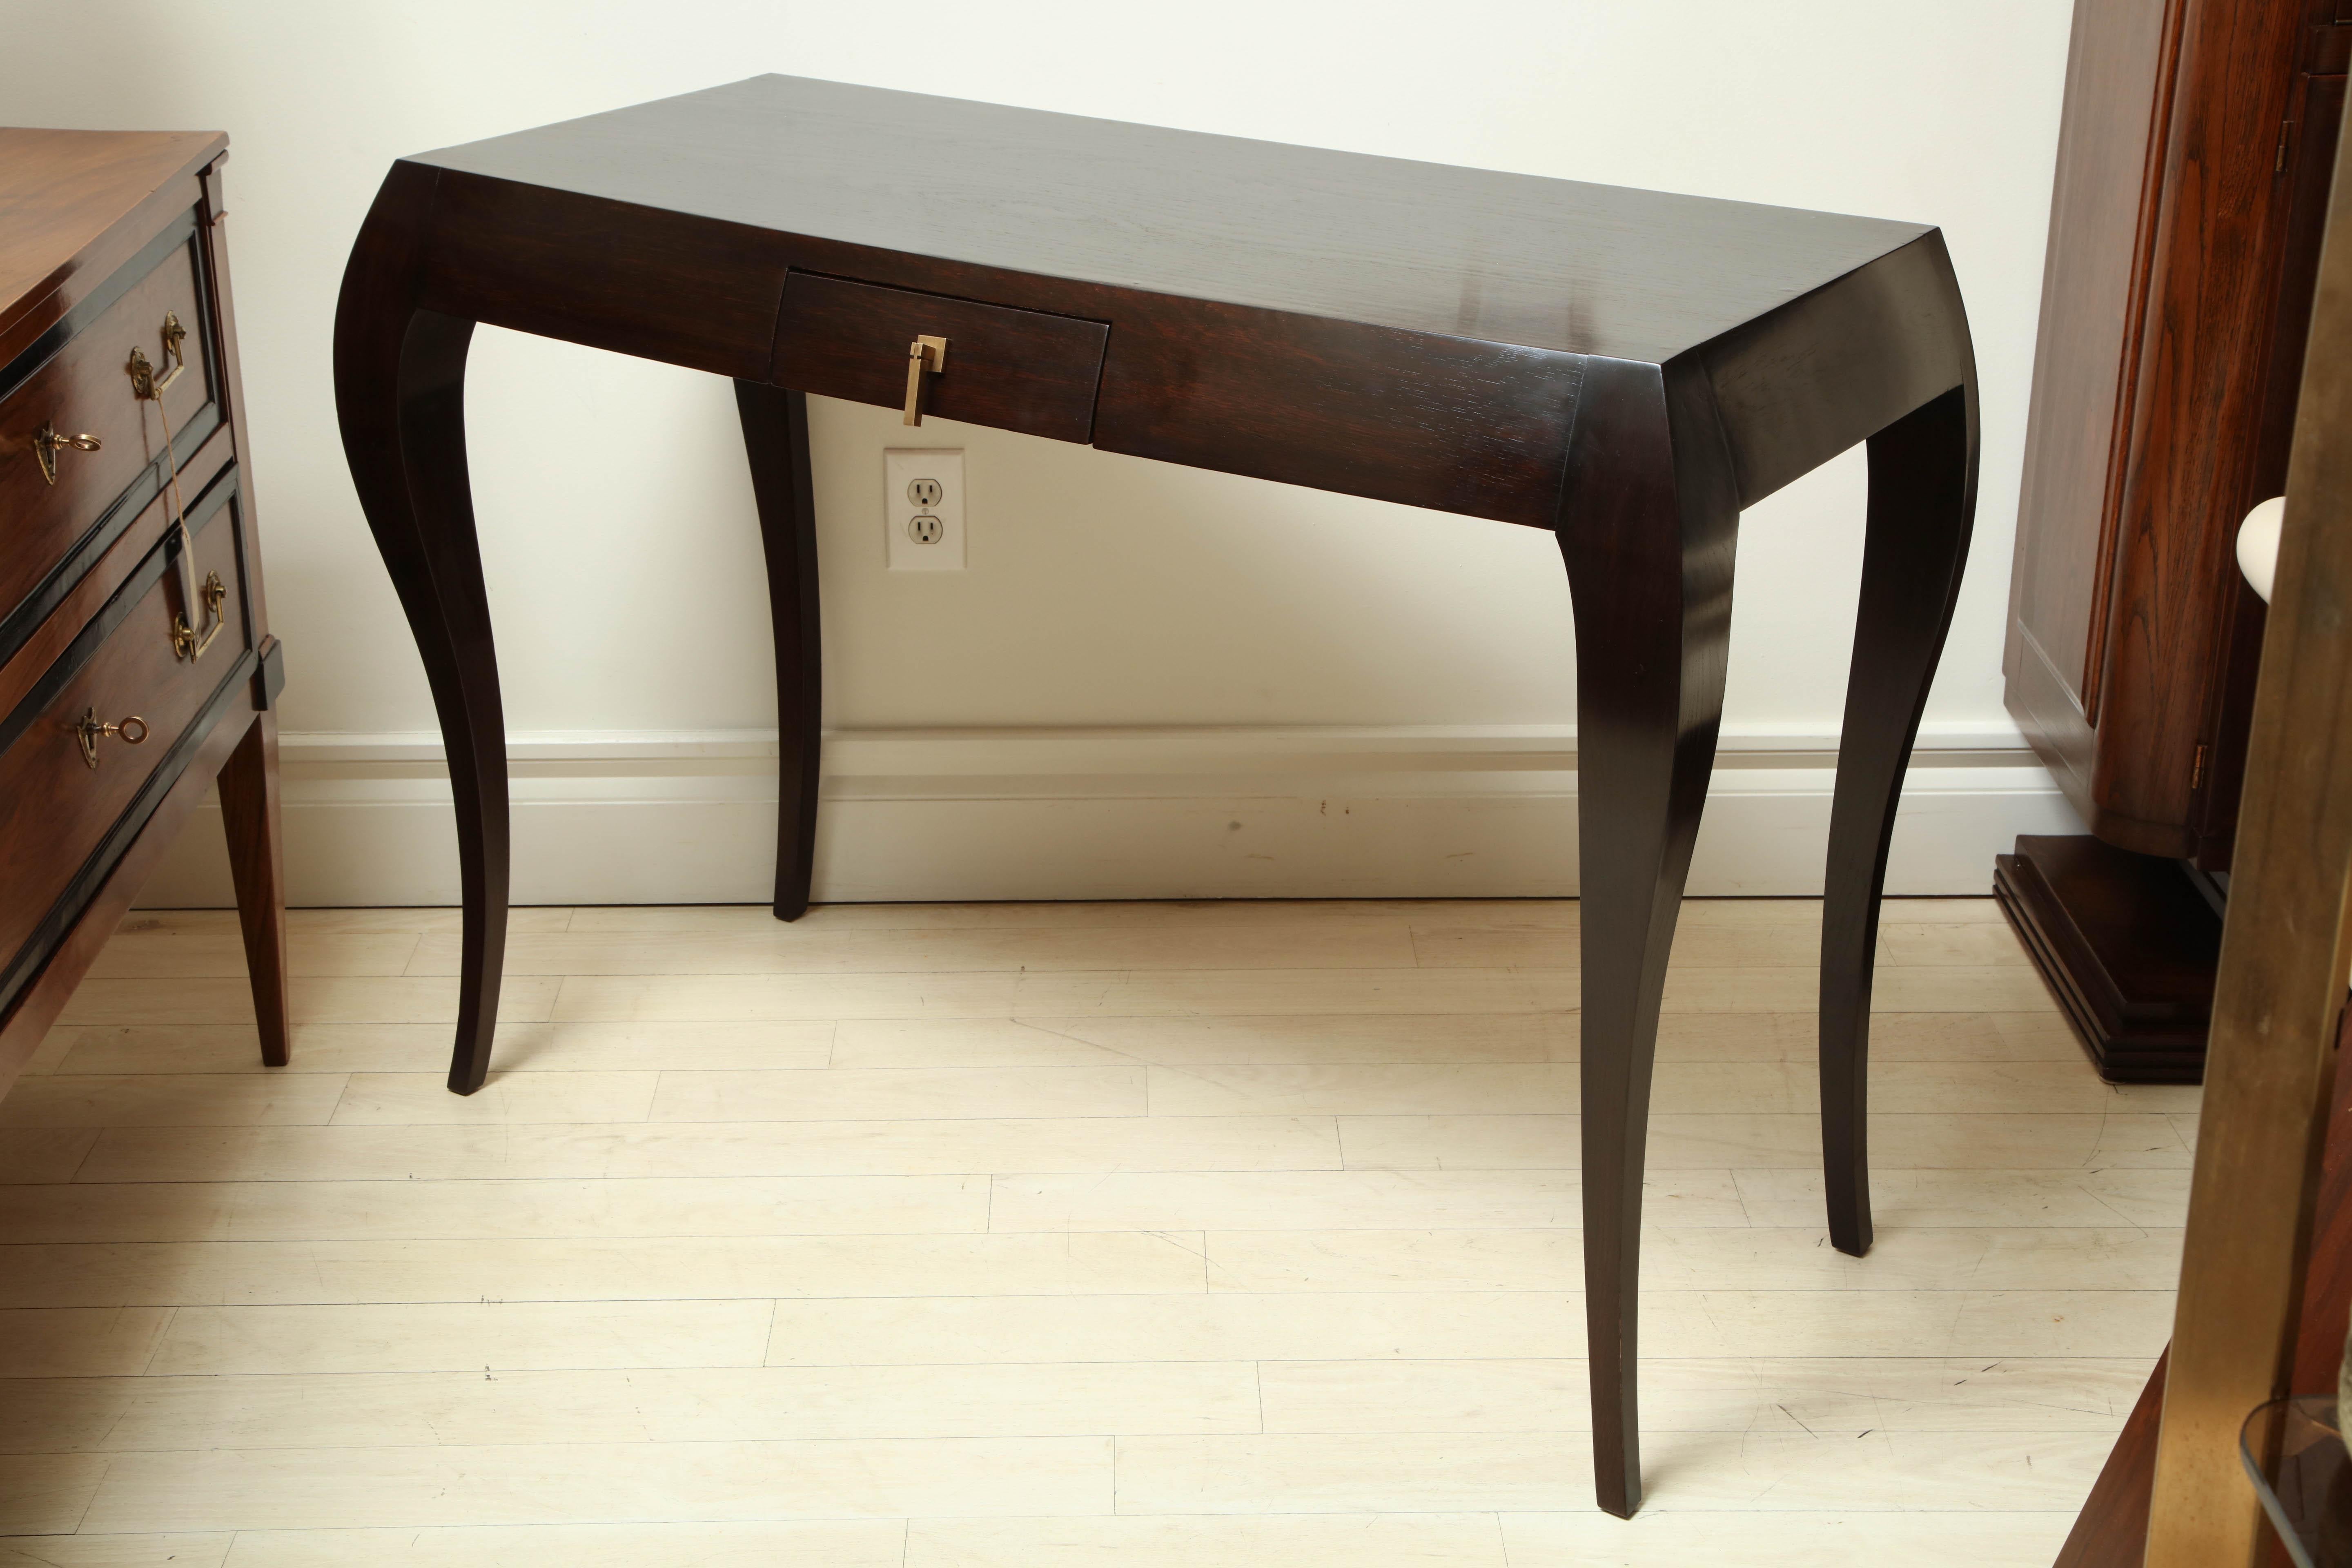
1011,1288
1017,370
1551,264
103,238
75,205
87,389
61,807
2193,165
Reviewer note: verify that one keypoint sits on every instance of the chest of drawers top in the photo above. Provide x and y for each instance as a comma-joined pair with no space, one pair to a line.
75,208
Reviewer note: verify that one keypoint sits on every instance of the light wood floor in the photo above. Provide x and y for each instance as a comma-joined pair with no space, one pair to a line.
1031,1236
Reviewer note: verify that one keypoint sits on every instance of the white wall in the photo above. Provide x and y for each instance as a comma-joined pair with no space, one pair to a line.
1103,591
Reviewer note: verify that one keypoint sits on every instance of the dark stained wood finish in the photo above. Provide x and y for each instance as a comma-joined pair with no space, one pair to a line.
2112,1529
2197,406
76,604
251,814
1016,369
911,181
661,286
2168,233
2128,945
1649,565
228,377
2230,723
257,858
776,440
2317,116
100,234
1624,368
1923,473
2092,284
2193,170
123,664
1473,292
86,388
400,392
76,206
2192,173
37,1005
1477,428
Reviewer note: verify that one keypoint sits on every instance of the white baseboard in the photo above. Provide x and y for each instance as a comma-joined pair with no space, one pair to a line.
1421,812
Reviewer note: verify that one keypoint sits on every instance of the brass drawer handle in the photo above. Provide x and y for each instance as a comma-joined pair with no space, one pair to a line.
145,385
148,387
89,731
925,353
47,444
186,644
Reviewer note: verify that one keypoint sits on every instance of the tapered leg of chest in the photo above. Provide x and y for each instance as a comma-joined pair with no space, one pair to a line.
256,863
1647,528
1922,501
776,440
400,376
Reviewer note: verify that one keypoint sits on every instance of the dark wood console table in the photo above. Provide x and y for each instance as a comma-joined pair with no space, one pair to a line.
1623,368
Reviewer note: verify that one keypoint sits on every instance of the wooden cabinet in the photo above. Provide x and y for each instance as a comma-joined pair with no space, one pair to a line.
136,668
2193,164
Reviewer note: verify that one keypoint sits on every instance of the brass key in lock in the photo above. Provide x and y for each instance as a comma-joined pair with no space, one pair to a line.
925,353
47,443
130,731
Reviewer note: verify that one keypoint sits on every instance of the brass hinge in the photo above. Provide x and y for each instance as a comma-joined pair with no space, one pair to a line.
2286,131
2197,766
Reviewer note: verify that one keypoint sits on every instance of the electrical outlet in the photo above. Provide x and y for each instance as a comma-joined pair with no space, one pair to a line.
922,508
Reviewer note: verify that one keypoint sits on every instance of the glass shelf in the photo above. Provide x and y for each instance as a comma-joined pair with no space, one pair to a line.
2305,1481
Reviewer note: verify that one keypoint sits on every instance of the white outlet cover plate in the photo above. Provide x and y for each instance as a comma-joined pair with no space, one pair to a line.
901,466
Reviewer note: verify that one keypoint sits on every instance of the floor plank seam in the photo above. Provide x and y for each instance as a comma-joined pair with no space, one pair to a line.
741,1223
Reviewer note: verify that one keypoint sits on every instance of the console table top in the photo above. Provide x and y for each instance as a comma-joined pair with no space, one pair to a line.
1432,249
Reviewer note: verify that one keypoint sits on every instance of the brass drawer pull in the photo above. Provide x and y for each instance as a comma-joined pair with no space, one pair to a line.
186,644
925,353
47,444
144,383
89,731
149,387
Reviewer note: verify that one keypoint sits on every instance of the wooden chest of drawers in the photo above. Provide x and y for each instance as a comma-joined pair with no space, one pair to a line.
136,669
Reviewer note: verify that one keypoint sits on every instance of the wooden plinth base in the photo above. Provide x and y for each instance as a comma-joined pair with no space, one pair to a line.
2126,943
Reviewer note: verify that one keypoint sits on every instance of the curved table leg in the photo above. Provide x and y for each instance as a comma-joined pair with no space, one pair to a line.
400,379
1648,522
775,439
1922,502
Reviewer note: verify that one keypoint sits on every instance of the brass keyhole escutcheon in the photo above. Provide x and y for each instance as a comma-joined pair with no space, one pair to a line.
925,353
47,444
131,730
